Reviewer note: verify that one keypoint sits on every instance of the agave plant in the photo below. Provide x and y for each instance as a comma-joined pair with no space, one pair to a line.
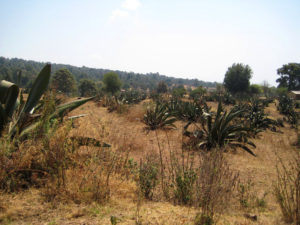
219,130
17,115
255,117
159,117
191,111
131,96
287,107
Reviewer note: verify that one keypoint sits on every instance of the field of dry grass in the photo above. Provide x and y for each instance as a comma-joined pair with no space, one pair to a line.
128,138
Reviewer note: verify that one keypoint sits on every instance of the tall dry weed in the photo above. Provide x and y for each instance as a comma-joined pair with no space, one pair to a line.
287,188
215,185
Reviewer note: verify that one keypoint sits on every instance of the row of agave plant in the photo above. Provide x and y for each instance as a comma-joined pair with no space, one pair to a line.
19,118
207,129
118,101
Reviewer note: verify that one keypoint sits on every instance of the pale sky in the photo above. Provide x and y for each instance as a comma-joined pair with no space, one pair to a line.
180,38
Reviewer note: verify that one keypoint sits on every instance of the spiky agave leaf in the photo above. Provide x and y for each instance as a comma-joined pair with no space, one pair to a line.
59,112
159,117
8,95
39,87
69,106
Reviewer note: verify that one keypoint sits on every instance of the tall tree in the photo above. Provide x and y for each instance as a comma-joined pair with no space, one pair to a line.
87,88
237,78
289,76
162,87
63,81
112,82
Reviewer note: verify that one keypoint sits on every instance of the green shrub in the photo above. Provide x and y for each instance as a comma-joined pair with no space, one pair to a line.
184,186
286,107
148,176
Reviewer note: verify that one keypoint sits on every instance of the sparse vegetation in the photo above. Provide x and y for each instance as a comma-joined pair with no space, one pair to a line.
189,169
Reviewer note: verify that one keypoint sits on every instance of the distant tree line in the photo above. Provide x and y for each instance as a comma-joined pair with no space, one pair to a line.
9,69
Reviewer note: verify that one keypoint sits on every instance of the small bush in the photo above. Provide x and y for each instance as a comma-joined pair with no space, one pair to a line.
148,176
185,186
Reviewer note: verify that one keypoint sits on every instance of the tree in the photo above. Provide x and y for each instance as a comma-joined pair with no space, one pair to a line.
162,87
237,78
87,87
255,89
63,81
289,76
198,92
112,82
179,91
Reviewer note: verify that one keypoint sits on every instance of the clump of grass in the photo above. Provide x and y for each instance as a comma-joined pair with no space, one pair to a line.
248,198
245,193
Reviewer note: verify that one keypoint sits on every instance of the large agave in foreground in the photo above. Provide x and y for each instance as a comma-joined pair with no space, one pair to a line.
17,115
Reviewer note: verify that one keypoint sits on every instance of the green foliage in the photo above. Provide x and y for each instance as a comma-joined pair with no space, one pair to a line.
20,116
286,107
185,186
8,95
289,76
237,78
148,176
63,81
227,99
159,117
87,88
282,91
255,117
132,96
286,104
149,81
189,111
197,93
220,131
179,91
114,104
112,82
255,89
161,87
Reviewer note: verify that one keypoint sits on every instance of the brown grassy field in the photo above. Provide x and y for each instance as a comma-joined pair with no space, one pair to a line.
129,139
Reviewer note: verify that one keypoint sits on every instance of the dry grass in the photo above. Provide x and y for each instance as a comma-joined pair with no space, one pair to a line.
129,139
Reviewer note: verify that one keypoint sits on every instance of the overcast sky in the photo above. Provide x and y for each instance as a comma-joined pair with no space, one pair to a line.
180,38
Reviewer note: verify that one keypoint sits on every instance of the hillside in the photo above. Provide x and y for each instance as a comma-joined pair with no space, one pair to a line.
10,67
